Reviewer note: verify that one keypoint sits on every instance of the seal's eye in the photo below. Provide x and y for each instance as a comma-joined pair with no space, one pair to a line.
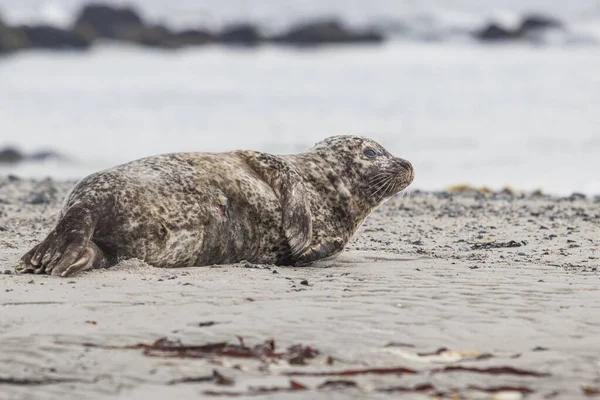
370,153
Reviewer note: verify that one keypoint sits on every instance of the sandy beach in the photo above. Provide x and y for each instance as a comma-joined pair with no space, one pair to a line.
450,295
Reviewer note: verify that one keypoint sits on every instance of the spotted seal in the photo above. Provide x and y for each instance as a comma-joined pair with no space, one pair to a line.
193,209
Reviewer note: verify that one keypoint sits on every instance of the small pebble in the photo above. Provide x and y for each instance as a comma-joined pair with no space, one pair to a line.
7,272
522,254
304,282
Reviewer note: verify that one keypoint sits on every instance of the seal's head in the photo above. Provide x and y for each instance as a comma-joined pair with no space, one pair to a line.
365,167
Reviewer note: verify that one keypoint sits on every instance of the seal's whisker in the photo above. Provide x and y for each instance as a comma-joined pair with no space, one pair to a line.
378,184
382,186
389,185
379,178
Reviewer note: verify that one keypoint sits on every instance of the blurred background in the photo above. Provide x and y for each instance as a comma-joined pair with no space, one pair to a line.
482,92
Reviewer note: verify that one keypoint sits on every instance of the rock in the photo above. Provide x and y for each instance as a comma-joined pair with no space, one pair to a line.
495,32
45,155
10,155
49,37
108,21
152,36
12,39
530,26
240,34
538,22
44,192
326,32
192,37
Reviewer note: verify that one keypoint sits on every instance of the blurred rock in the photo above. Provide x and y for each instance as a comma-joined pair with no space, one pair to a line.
44,192
10,155
537,22
153,36
240,34
49,37
11,39
494,32
107,21
192,37
326,32
530,28
45,155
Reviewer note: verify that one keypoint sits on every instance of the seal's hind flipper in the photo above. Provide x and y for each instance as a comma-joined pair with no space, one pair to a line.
326,249
67,249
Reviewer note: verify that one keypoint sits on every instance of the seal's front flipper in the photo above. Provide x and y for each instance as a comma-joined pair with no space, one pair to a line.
297,221
67,249
323,250
288,185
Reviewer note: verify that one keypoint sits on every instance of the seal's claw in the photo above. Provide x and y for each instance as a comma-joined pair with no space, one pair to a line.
24,265
323,250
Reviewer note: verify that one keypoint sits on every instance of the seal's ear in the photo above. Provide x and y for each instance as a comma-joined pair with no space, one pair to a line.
287,184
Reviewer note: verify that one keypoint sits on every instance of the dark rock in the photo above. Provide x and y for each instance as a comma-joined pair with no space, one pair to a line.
152,36
326,32
192,37
12,39
45,155
529,27
108,21
494,32
538,22
49,37
44,192
240,34
159,36
10,155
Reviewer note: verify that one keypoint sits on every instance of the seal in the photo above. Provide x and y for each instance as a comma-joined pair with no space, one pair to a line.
194,209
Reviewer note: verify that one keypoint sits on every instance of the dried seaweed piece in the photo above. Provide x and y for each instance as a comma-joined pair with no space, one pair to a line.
492,371
399,344
591,391
206,324
424,387
297,354
353,372
37,382
496,389
498,245
257,391
216,377
337,384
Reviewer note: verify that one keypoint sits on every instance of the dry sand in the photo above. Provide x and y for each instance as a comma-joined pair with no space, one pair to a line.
426,272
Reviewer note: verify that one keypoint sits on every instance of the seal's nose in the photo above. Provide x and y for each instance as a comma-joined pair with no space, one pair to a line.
410,171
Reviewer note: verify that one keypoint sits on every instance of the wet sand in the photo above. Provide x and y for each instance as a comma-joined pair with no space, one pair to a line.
441,294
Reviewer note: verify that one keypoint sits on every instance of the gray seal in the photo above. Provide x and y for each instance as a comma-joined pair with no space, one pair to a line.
194,209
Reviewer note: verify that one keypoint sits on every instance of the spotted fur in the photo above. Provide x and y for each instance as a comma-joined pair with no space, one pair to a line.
192,209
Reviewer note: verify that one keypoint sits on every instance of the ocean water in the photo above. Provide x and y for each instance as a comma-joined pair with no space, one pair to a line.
520,115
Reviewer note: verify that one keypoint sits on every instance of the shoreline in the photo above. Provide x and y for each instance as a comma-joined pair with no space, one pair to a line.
506,284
